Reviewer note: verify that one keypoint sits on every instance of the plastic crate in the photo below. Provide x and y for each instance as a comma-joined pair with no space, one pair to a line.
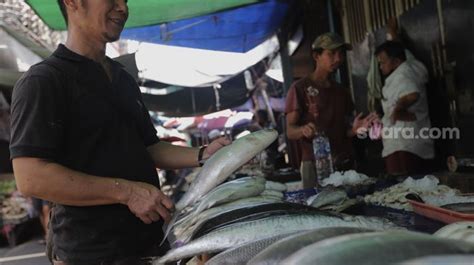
440,214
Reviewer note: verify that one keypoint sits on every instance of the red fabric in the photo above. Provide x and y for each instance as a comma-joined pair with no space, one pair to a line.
405,163
333,105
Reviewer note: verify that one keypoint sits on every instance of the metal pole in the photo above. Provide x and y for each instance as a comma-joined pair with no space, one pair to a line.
193,101
331,17
333,29
266,99
345,25
447,69
285,61
442,29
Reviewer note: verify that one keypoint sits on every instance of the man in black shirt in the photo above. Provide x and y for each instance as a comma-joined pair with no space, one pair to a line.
82,138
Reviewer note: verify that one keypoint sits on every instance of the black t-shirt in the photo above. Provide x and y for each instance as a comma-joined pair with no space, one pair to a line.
66,110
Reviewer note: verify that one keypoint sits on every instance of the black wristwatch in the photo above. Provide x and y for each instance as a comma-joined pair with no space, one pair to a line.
200,154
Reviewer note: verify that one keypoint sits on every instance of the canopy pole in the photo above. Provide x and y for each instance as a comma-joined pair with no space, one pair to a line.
216,93
285,60
332,28
193,101
266,99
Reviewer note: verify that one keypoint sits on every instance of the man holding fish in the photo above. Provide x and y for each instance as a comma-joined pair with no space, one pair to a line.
82,138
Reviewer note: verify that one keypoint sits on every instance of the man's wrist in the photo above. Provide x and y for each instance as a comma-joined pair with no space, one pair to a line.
122,189
200,158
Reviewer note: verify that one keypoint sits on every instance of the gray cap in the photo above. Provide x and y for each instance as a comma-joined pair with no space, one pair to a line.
330,41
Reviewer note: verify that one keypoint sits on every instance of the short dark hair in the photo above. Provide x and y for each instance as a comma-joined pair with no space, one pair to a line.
394,49
318,51
62,6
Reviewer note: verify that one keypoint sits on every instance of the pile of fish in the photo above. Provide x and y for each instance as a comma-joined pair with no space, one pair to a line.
224,162
246,221
263,242
246,231
218,168
427,188
211,217
240,193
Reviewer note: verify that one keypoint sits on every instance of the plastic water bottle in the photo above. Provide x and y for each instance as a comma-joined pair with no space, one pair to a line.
322,156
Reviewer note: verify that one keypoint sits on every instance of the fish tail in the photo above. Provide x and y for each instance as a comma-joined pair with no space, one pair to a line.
170,226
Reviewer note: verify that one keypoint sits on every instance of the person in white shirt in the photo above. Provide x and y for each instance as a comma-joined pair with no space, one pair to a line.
406,119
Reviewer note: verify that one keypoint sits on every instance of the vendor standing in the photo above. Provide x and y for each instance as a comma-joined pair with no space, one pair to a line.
317,102
82,138
406,149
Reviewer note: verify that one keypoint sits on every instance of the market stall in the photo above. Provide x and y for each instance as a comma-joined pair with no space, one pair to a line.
240,217
236,209
18,219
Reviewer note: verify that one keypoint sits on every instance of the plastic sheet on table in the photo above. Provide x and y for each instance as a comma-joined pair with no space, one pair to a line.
299,196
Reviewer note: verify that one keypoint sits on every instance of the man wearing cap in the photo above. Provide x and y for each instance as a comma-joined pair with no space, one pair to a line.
318,103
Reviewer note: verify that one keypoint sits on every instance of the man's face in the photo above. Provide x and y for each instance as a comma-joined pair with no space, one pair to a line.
102,19
330,60
386,63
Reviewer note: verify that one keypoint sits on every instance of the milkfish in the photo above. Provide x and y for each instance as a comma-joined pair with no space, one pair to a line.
273,193
220,165
326,197
272,185
459,230
283,248
243,253
192,224
373,248
224,162
227,192
250,214
244,232
441,260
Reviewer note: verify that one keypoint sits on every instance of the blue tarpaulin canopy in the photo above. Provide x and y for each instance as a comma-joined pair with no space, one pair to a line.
237,30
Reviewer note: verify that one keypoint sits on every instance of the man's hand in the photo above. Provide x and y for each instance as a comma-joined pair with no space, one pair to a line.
452,163
402,115
214,146
308,130
362,125
400,111
147,202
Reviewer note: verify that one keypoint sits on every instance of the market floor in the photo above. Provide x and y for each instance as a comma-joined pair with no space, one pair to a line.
28,253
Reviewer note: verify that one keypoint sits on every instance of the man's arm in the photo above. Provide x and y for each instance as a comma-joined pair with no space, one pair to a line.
295,132
168,156
400,112
50,181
